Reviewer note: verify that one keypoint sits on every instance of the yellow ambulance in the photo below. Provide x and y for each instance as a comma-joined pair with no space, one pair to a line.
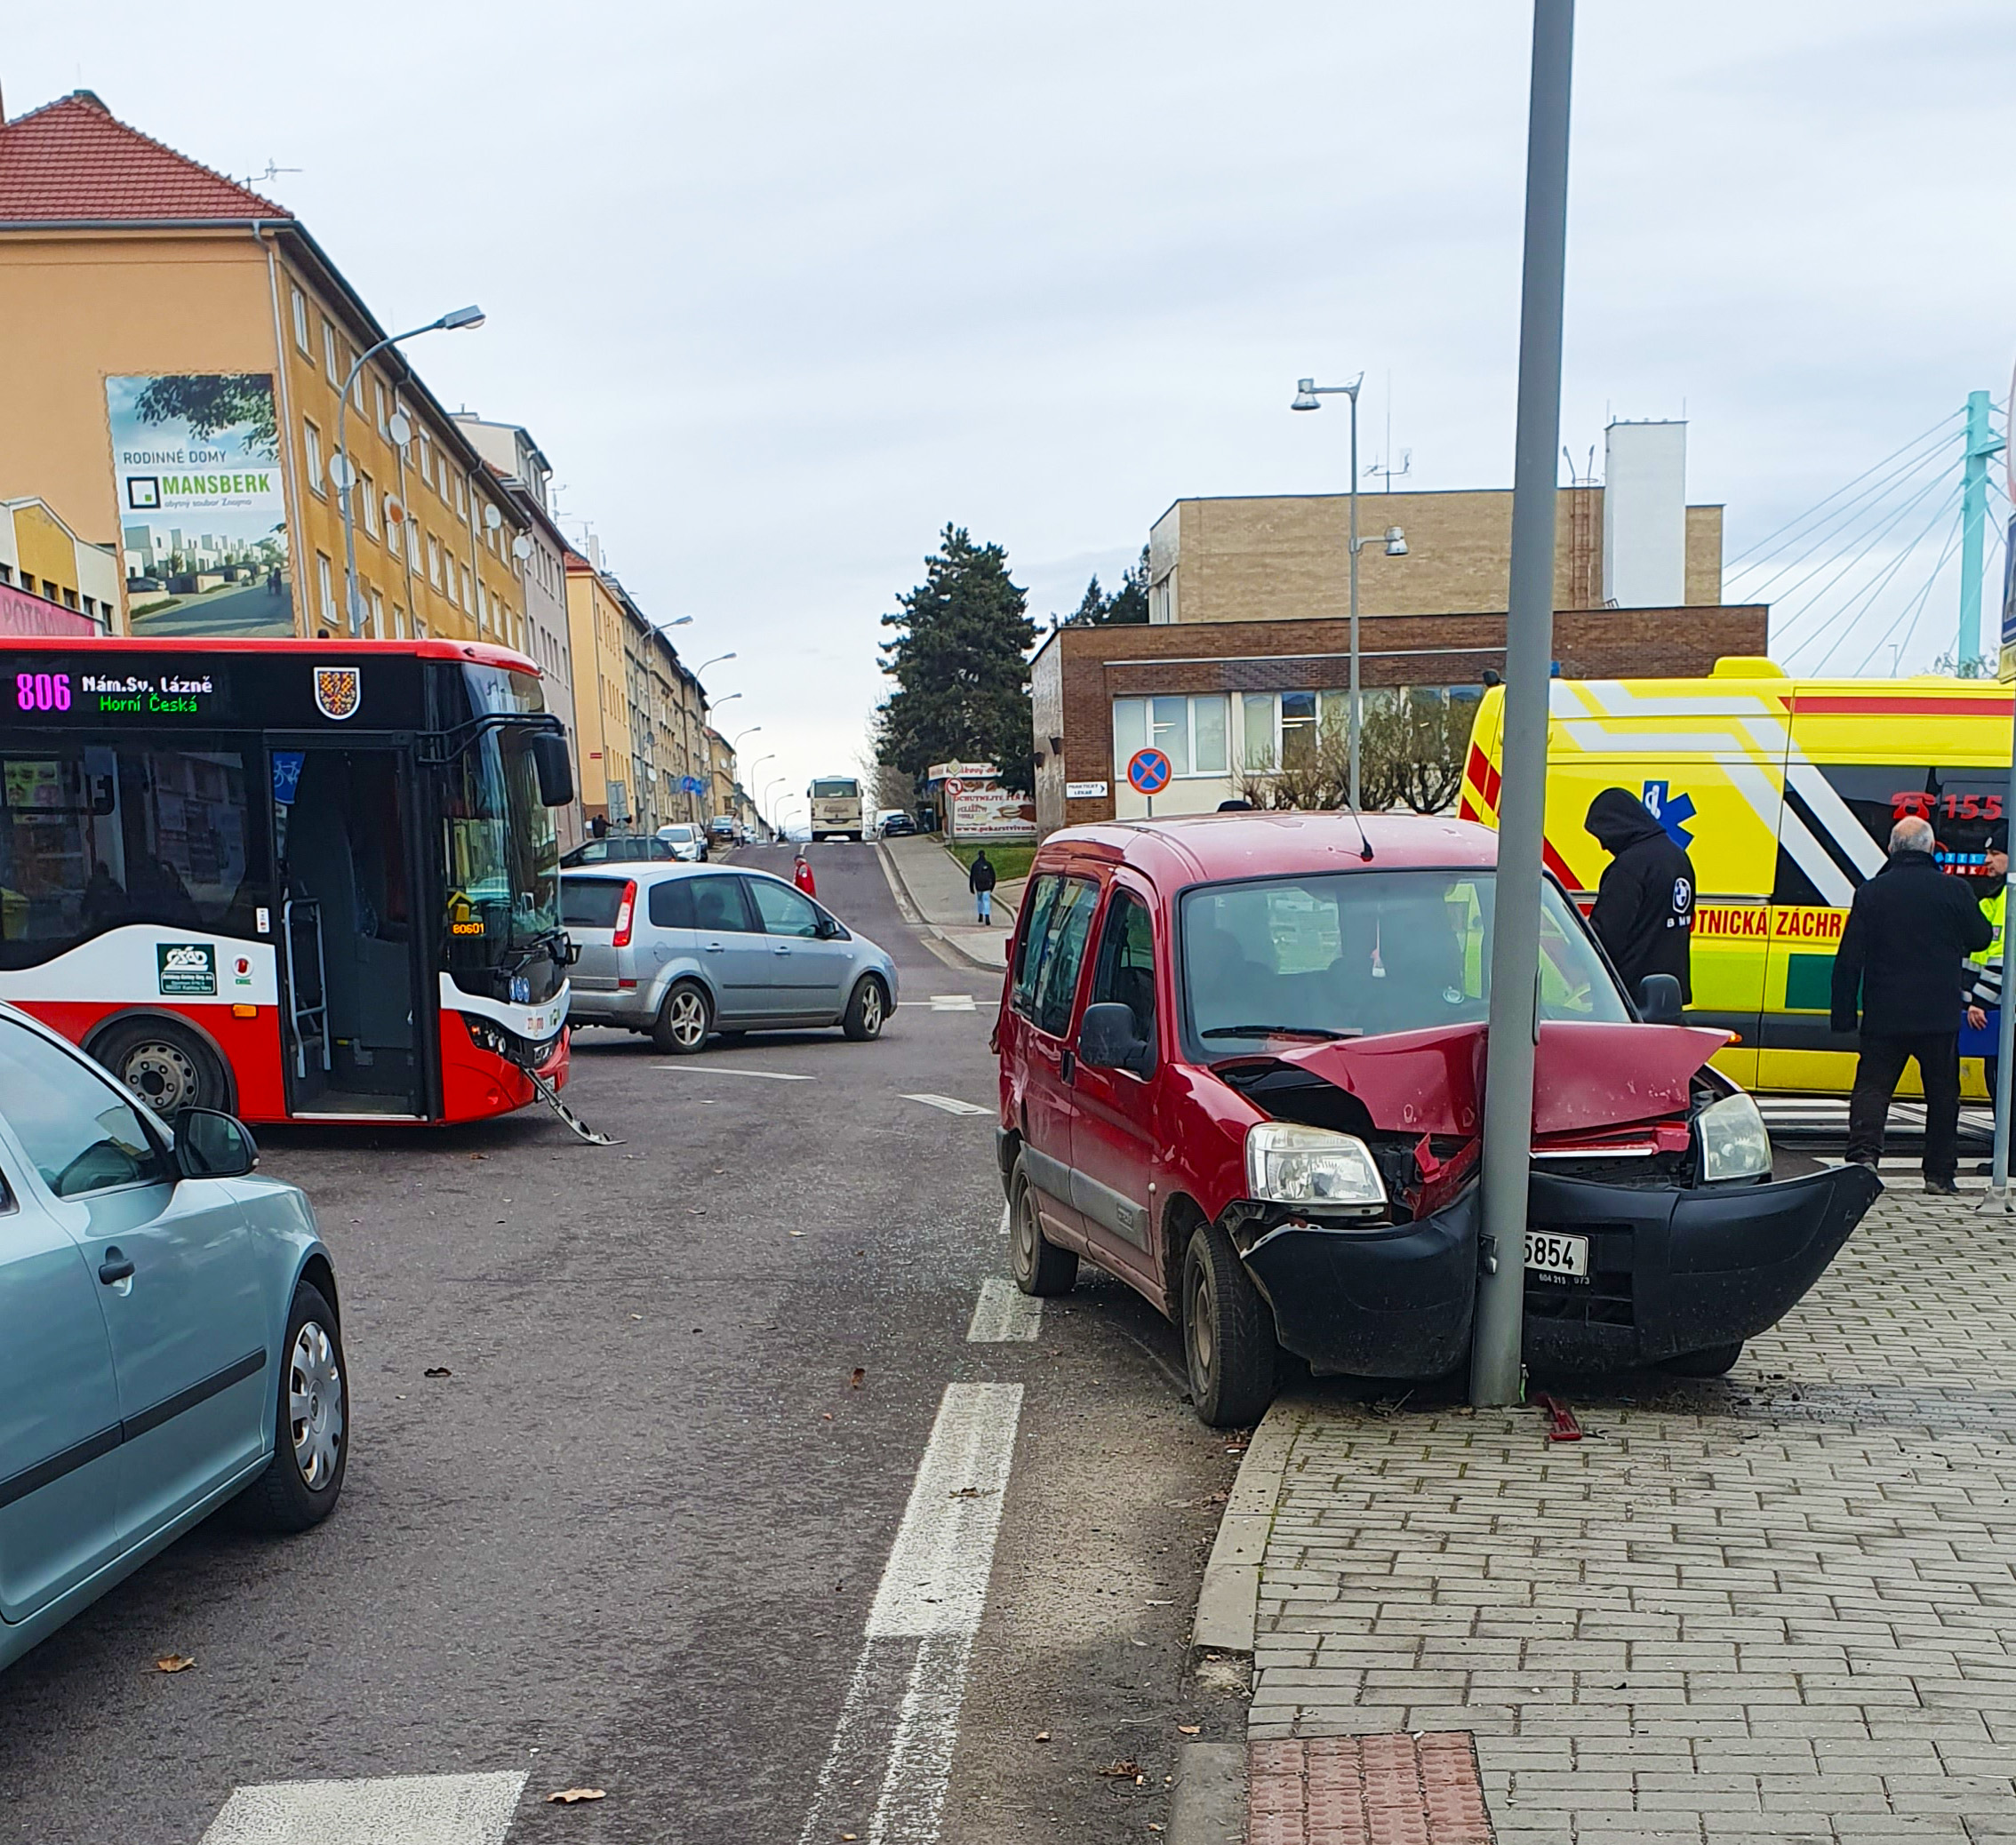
1783,792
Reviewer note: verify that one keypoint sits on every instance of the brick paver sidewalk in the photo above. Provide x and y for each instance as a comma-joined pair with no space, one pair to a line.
1777,1606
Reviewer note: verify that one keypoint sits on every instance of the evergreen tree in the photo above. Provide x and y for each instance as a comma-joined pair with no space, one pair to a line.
1128,606
960,661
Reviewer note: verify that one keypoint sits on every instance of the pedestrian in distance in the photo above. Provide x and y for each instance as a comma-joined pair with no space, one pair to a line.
1984,995
1644,907
1897,978
801,874
980,881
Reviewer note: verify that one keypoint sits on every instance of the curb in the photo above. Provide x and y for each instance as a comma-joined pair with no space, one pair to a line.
1208,1804
1228,1601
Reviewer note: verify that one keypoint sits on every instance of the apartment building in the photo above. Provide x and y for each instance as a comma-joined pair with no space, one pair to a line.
52,582
182,403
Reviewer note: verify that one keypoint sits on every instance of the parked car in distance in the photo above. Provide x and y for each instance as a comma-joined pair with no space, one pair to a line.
688,844
898,825
1240,1062
682,952
723,830
619,849
168,1337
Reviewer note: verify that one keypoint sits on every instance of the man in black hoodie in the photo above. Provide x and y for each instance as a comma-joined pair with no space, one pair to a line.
1644,907
1908,933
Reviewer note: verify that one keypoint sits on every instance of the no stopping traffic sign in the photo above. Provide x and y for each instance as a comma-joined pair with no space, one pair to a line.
1147,771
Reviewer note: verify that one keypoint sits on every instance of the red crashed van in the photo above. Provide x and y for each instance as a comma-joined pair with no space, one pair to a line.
1242,1058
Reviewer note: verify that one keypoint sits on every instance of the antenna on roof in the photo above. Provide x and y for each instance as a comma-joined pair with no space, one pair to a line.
271,172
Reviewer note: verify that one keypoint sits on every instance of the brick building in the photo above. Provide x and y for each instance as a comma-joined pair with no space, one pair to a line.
1224,698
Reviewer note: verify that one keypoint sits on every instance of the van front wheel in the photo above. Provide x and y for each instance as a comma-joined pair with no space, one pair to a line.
1227,1334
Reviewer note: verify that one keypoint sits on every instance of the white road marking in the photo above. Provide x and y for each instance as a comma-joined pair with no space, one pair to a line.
1003,1312
723,1070
952,1002
1004,1220
951,1104
400,1809
920,1631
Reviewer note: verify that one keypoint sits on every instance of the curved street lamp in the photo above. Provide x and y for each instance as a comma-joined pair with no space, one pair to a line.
453,321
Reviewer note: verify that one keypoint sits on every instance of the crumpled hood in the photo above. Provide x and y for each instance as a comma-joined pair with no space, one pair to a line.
1585,1076
1619,820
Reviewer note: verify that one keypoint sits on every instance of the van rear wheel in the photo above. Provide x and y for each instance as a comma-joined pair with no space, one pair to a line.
1227,1334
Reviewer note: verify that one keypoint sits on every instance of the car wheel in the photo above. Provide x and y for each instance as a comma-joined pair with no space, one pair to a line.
1227,1334
165,1065
311,1423
867,1009
1040,1266
684,1020
1716,1362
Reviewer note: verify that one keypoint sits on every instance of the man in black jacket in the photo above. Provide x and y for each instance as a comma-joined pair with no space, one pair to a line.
1908,933
979,881
1644,907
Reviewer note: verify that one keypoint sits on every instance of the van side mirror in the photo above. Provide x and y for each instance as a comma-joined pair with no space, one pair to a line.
1659,1000
554,768
210,1144
1108,1039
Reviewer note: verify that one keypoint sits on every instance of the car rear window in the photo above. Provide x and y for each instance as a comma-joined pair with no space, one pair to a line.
590,903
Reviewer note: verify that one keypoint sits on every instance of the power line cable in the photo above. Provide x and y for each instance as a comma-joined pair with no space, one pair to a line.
1916,607
1867,596
1873,540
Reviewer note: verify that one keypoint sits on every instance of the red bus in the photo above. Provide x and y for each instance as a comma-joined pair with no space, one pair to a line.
301,881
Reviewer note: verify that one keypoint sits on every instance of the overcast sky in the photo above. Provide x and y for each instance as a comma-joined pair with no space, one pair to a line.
783,288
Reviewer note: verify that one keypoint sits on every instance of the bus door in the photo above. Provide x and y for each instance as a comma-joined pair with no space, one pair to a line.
351,999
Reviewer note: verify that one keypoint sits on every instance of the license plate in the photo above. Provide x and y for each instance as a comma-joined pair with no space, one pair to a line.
1565,1256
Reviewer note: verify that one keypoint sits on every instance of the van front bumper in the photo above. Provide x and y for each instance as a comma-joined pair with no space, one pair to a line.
1672,1270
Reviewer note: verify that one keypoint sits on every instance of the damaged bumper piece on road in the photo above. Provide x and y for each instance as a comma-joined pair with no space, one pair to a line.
1671,1270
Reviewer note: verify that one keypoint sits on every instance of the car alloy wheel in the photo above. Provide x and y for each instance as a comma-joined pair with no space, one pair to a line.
161,1074
315,1405
685,1019
871,1010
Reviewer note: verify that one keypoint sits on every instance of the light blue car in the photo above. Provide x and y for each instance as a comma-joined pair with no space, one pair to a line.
168,1335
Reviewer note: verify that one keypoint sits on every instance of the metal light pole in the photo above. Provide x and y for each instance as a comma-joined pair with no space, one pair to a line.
1309,395
346,486
1496,1370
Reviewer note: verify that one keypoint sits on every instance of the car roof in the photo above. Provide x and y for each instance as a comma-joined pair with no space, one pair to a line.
1214,847
663,870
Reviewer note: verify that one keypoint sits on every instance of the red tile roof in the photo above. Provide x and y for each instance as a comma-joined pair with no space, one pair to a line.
74,159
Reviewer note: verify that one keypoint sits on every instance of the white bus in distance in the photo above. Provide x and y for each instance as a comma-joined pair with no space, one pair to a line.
835,808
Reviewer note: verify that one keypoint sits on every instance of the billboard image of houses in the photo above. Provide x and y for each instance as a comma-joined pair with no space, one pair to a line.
203,516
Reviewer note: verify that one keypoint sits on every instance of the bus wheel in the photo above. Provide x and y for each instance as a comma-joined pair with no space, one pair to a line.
684,1020
168,1067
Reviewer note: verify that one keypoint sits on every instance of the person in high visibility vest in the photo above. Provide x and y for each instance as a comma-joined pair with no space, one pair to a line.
1984,995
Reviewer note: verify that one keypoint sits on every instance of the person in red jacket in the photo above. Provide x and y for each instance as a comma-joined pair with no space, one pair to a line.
801,874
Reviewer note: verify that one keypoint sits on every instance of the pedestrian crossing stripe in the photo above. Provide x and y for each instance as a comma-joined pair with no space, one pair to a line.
397,1809
951,1104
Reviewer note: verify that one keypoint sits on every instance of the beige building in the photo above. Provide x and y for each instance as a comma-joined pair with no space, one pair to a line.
52,582
159,288
595,622
1634,543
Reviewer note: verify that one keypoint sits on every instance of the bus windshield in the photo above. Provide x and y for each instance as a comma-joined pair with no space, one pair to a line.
502,859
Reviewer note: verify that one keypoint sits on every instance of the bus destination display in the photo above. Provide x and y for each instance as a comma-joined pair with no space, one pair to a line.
54,692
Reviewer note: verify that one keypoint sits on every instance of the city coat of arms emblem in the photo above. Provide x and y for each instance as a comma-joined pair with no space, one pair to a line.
337,691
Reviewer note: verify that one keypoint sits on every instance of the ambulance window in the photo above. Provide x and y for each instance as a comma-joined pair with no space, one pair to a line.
1963,805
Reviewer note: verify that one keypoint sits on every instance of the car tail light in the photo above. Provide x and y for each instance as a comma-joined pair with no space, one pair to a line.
625,912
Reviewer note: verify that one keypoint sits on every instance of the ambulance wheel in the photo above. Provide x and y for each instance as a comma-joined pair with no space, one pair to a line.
1716,1362
167,1066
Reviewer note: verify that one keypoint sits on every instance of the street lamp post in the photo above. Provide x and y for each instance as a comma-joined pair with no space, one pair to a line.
346,485
1309,395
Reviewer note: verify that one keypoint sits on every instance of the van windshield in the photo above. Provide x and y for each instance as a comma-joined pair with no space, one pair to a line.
1350,955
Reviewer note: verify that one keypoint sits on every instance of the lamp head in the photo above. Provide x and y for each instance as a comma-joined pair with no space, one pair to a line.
457,318
1306,396
1395,542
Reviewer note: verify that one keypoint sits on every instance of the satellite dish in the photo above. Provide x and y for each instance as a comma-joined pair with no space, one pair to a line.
520,546
342,475
394,512
492,517
400,428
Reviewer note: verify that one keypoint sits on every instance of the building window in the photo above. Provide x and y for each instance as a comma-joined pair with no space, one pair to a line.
433,561
426,459
378,403
1189,730
370,493
465,587
461,502
301,322
398,621
378,614
327,586
412,543
329,355
1285,729
71,597
6,573
311,442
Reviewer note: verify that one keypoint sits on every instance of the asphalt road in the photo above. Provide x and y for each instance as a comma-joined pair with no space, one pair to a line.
633,1539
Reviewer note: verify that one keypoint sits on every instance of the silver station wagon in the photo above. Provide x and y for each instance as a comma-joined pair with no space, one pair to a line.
683,951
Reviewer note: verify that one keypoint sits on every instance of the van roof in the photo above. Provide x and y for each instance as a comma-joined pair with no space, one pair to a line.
1213,847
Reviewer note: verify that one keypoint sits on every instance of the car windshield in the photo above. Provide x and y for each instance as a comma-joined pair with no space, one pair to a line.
1348,955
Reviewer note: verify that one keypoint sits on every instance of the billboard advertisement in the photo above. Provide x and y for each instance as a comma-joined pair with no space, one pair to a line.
988,812
202,518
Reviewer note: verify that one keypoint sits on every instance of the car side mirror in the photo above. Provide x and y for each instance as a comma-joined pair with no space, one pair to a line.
210,1144
552,767
1108,1039
1659,1000
830,931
